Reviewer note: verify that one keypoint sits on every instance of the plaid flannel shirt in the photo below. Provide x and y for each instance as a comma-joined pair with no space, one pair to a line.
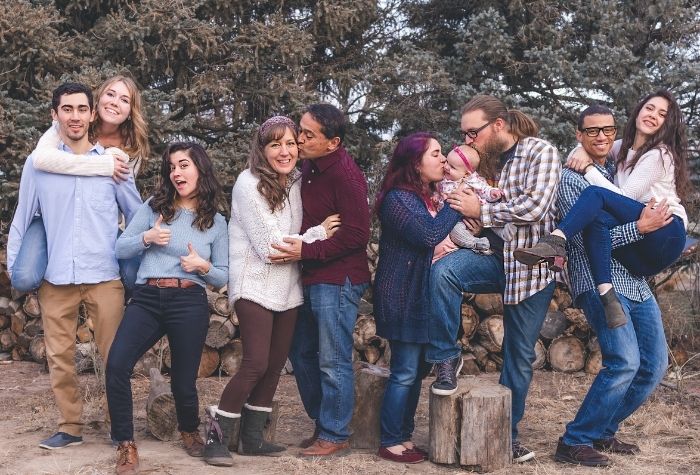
529,182
581,280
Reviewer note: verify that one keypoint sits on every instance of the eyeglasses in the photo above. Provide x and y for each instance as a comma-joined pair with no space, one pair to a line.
608,131
472,133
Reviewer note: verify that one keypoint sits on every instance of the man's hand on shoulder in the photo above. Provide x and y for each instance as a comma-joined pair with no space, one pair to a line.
654,216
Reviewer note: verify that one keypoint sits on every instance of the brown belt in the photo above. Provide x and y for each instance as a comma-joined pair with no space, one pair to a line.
162,283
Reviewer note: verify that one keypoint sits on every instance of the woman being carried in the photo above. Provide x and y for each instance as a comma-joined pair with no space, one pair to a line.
265,208
183,241
651,165
119,125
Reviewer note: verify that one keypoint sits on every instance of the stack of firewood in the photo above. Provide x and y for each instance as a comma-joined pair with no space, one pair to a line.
566,342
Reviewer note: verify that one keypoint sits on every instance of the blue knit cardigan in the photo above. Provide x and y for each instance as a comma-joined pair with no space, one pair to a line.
401,285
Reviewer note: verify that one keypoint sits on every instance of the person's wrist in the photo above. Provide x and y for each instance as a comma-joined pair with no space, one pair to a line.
145,240
641,227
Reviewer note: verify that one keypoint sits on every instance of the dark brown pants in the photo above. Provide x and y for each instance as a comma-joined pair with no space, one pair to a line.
266,337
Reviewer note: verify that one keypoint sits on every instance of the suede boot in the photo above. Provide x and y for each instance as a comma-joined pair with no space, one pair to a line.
253,420
220,428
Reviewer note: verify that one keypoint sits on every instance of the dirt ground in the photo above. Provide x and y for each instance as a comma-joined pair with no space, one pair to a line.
667,429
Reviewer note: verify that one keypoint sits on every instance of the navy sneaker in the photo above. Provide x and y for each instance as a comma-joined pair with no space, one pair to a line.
446,382
60,440
521,453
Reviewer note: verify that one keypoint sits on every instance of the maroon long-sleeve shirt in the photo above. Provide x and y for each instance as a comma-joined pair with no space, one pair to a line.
335,184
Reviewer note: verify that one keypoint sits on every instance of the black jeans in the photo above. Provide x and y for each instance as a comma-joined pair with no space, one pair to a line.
182,315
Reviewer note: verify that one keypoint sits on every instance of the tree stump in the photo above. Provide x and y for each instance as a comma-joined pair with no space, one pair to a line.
567,354
370,382
232,356
87,357
5,321
485,438
161,420
469,365
34,327
365,329
472,427
554,325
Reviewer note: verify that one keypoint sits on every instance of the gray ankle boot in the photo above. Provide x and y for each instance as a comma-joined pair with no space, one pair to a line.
220,427
253,420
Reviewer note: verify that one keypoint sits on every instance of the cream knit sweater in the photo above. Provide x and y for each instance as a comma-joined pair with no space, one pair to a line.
652,177
253,229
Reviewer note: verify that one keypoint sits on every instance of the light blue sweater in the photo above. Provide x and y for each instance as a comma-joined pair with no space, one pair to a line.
164,261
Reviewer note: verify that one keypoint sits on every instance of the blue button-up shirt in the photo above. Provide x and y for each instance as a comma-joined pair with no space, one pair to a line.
81,216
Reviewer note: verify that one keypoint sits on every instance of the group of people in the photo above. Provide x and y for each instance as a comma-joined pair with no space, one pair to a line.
294,261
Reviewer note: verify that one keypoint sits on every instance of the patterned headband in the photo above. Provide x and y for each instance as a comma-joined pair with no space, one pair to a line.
277,120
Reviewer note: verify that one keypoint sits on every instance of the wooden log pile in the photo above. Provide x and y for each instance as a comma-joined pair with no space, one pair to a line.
565,342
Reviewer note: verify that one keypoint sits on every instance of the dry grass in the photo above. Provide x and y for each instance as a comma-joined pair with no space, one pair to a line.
666,428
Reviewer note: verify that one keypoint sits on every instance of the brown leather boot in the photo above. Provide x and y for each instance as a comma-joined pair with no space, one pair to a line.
325,448
193,443
127,458
308,442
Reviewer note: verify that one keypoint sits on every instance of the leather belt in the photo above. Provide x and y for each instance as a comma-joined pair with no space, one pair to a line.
163,283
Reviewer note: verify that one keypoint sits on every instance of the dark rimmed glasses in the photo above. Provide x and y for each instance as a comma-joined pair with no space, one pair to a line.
472,133
608,131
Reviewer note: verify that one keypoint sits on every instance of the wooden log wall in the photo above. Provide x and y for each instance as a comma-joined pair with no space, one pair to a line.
565,342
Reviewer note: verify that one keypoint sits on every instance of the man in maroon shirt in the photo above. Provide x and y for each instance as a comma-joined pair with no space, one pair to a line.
334,274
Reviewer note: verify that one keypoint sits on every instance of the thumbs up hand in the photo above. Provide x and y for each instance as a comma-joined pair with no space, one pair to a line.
157,235
192,262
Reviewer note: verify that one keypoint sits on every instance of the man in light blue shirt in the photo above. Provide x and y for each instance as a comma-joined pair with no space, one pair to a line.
81,216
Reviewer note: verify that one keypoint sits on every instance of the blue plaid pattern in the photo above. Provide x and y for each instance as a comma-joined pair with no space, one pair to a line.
581,280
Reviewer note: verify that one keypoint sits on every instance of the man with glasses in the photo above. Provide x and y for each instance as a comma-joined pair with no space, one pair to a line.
530,170
621,386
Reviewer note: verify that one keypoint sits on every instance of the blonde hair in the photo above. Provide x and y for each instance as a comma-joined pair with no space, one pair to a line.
134,130
519,124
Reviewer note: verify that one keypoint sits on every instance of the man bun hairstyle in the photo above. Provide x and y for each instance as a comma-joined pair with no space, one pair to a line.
519,124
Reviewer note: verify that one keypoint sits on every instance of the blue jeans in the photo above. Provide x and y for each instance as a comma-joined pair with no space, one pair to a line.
408,368
321,355
33,257
182,315
598,210
634,362
465,271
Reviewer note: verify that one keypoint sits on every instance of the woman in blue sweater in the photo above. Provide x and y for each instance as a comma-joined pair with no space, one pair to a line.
184,246
412,228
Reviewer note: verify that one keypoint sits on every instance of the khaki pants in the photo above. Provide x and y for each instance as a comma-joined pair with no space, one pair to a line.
59,311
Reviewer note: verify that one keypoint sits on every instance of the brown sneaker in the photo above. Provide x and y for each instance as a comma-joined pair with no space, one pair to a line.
325,448
127,458
193,443
616,446
308,442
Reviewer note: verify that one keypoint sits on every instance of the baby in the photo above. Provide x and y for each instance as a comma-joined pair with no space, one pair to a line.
460,172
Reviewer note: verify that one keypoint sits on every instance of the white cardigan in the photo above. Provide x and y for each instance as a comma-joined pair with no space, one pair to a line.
652,177
253,228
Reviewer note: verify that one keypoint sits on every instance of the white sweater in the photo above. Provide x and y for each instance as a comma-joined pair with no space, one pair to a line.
652,177
253,229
